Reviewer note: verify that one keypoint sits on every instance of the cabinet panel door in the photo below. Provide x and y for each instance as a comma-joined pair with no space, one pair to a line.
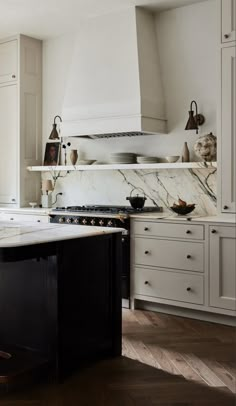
223,267
228,129
9,144
228,8
8,61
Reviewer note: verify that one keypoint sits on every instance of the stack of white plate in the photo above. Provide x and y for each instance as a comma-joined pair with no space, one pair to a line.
122,158
147,159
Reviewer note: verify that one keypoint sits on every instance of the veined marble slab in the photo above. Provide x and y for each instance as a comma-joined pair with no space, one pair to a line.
161,188
20,234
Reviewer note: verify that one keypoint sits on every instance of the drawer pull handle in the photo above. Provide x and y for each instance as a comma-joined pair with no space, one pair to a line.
13,76
214,231
38,221
147,252
225,207
188,232
146,283
189,289
146,229
226,36
11,218
189,256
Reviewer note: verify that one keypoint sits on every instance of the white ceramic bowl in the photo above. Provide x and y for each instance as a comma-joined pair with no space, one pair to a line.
172,159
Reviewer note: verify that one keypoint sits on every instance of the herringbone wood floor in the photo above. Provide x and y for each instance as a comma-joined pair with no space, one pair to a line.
201,352
168,361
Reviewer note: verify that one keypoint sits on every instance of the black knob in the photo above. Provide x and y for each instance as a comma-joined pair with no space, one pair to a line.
188,289
146,282
188,256
226,36
188,232
13,76
146,252
38,221
213,231
225,207
146,229
13,200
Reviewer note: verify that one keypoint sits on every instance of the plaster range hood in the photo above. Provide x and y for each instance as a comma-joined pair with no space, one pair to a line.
114,85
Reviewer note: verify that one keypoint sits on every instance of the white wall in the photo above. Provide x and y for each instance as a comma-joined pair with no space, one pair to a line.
187,39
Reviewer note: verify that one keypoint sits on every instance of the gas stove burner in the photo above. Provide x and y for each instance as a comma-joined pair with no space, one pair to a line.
107,209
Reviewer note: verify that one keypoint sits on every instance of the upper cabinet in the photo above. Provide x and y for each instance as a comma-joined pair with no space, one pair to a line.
21,119
8,61
228,25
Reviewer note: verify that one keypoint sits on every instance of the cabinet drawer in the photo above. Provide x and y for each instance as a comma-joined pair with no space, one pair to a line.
183,255
24,218
188,231
169,285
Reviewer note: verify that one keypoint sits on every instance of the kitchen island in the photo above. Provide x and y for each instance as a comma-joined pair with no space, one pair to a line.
60,299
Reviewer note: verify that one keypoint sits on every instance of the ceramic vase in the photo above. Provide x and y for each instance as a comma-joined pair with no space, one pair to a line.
185,153
73,156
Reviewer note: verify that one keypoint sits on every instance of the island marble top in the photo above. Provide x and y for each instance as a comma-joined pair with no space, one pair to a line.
21,234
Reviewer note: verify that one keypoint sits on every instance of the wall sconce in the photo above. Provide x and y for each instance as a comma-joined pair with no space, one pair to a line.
194,121
54,134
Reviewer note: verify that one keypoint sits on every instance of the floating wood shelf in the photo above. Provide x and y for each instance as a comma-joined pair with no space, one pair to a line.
109,167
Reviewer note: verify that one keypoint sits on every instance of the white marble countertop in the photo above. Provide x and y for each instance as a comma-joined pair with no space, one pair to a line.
21,234
26,210
230,219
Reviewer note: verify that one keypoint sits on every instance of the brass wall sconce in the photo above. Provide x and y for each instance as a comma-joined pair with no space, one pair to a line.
54,133
194,121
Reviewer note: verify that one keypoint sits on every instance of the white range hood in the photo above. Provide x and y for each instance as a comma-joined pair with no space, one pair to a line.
114,85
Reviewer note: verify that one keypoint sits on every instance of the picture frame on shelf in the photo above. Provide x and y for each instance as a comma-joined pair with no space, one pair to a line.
52,154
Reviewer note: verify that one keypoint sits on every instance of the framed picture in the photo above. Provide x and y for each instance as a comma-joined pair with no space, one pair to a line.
52,153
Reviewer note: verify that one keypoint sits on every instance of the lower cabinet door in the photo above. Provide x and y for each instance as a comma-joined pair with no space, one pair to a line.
223,267
169,285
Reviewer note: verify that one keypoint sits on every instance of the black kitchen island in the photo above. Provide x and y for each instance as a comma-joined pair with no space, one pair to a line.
60,297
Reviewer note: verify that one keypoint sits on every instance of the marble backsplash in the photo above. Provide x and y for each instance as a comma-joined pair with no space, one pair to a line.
162,187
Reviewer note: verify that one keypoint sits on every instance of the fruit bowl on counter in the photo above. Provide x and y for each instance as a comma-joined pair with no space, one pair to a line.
182,208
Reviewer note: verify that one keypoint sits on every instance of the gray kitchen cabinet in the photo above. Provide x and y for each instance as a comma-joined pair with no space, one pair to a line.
8,61
223,267
228,20
228,130
193,269
9,144
20,118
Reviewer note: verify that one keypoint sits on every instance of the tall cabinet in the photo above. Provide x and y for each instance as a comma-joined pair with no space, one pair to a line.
227,108
20,119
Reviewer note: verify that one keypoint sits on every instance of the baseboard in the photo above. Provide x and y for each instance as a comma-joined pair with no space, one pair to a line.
188,313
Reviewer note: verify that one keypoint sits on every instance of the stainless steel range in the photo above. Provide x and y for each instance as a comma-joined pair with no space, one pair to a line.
104,216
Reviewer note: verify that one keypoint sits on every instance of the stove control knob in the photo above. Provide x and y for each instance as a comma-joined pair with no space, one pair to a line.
69,220
101,222
92,222
76,221
84,222
61,220
109,223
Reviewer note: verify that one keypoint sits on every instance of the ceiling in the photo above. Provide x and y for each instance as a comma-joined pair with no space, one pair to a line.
50,18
